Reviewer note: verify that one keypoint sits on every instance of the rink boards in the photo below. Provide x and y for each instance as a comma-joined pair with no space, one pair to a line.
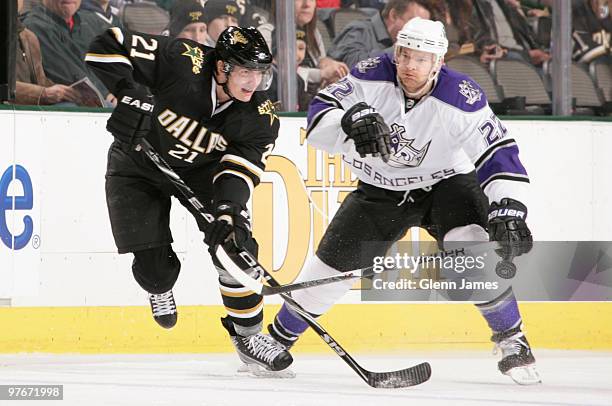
64,289
372,328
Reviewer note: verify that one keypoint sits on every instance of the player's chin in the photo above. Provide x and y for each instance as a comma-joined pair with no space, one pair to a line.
245,95
411,83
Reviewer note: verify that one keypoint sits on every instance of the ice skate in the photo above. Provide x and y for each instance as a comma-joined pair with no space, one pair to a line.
164,309
261,354
257,371
517,360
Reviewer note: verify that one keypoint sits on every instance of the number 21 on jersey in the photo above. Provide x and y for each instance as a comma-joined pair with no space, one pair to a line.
139,42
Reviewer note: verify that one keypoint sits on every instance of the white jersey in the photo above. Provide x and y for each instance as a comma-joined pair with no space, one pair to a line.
450,131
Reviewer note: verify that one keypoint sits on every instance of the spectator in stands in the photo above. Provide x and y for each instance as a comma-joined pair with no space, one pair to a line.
64,35
250,12
317,69
502,31
219,15
365,39
33,87
254,13
591,28
457,22
118,4
537,8
266,24
102,9
189,22
303,97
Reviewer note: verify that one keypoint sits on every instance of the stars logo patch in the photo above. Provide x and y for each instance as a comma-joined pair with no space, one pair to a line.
195,16
197,57
231,10
267,107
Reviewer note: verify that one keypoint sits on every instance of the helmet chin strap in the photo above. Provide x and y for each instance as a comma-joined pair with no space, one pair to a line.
227,91
227,70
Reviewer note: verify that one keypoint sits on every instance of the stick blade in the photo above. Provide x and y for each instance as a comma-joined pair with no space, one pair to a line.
403,378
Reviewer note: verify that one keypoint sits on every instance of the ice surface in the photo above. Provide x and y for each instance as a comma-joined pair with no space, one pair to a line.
459,378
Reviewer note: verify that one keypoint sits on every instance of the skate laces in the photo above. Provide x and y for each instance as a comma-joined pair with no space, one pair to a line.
162,303
263,347
511,345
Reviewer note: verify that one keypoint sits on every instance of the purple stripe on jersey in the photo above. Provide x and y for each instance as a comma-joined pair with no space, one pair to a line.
459,90
504,160
290,321
378,68
503,315
316,106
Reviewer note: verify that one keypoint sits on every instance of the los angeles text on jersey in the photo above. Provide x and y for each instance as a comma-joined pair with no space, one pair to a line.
202,141
378,178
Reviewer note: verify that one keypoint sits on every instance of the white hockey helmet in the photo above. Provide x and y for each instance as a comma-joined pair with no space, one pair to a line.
423,35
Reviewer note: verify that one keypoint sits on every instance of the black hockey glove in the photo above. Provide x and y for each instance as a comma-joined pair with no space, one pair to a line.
131,119
507,225
231,222
368,129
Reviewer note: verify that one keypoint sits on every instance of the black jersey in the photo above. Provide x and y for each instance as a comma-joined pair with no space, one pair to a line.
189,129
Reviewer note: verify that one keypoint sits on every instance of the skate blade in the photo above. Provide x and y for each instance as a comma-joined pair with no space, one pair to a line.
527,375
257,371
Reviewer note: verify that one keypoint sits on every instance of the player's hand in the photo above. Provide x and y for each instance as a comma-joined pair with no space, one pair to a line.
131,118
507,225
231,223
368,130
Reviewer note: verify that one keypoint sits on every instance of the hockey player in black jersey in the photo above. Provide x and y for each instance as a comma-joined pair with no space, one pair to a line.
210,123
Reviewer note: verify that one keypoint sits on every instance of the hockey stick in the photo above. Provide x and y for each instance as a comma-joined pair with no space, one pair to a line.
504,269
394,379
235,260
228,254
290,287
402,378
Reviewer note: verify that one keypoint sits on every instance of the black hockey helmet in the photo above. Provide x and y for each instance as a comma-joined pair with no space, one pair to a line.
244,47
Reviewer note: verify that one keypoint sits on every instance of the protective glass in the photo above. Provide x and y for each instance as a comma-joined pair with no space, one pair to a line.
245,75
408,57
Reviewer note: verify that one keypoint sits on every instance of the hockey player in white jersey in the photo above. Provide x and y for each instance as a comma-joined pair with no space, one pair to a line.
429,152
